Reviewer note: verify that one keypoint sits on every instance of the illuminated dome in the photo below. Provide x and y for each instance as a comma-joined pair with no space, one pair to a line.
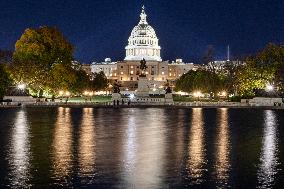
143,42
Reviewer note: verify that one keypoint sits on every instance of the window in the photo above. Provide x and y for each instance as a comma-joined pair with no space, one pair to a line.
121,66
163,73
170,74
121,73
152,73
131,72
121,78
131,66
153,66
163,78
138,67
131,78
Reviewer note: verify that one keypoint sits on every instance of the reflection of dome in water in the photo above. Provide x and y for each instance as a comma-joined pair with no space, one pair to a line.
143,42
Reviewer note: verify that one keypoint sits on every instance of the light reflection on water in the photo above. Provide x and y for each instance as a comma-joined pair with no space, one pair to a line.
269,154
222,164
196,147
62,146
130,146
143,148
19,157
87,145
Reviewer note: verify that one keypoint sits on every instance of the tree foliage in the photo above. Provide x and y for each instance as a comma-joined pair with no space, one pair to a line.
202,80
99,81
82,82
262,69
42,60
5,80
44,45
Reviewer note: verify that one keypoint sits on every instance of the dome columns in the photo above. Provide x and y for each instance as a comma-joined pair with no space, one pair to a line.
143,42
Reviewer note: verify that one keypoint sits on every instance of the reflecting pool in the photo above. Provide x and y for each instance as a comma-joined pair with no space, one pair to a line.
141,148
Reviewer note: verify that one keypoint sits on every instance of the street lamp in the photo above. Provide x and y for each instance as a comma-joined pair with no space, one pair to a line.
91,94
21,86
269,87
67,93
61,93
197,94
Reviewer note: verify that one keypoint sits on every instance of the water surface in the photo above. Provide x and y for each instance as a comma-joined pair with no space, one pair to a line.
141,148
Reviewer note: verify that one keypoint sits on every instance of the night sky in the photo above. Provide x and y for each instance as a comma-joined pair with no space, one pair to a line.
185,28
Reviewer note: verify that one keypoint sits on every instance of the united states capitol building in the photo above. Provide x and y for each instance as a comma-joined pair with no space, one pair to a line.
143,43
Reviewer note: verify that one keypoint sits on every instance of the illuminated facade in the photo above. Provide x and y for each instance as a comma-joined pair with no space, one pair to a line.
143,43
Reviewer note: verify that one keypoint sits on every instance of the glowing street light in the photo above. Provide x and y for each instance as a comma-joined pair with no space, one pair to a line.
67,93
197,94
223,93
269,87
61,93
131,96
21,86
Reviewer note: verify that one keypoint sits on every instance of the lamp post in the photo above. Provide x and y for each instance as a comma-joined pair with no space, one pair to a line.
67,93
269,87
91,95
21,86
197,94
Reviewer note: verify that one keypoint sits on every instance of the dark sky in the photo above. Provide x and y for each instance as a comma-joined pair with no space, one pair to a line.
100,28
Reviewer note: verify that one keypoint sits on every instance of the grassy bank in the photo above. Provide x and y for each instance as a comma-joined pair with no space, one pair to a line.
98,98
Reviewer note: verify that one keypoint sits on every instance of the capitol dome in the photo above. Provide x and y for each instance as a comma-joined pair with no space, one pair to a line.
143,42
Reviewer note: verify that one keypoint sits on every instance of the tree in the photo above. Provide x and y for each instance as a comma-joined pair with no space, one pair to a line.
63,77
99,81
228,75
34,75
44,45
5,56
40,55
279,78
82,82
5,80
202,80
262,69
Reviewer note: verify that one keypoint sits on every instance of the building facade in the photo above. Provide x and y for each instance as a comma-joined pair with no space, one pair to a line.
143,43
